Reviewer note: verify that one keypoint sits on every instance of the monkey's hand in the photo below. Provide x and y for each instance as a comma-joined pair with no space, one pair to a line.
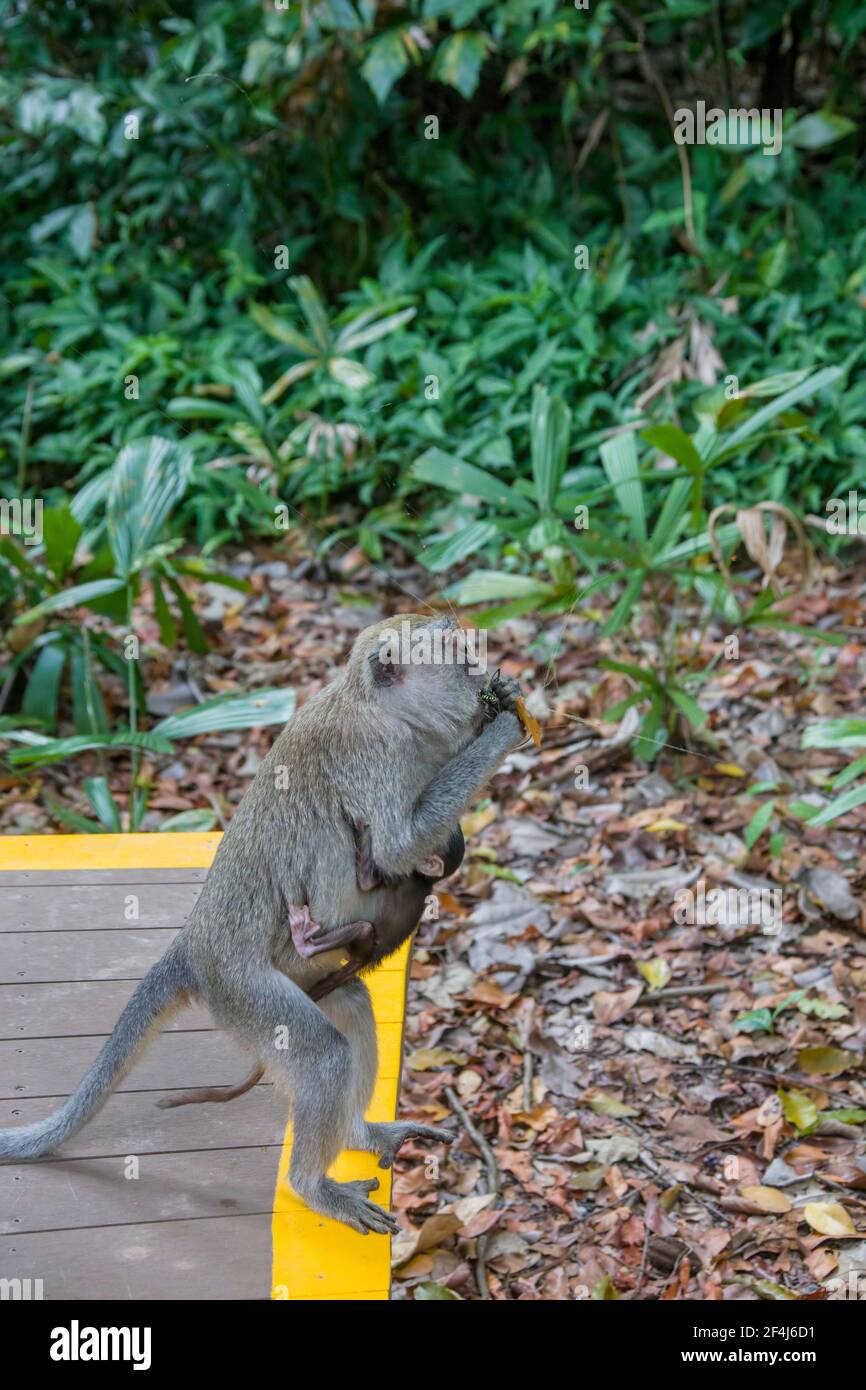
507,691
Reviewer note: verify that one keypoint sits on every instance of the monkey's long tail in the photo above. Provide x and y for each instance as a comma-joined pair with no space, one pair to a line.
161,987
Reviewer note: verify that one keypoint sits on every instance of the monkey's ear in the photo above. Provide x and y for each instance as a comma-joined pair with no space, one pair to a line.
384,670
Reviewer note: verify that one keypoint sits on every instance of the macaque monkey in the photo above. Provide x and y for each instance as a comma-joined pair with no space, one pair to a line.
397,746
368,946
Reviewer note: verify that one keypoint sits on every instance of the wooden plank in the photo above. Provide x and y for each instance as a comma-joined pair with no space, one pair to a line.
44,1066
220,1258
95,907
82,1007
131,1122
78,878
81,955
135,1188
79,1007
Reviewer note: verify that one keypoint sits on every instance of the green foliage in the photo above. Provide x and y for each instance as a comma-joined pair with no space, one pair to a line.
430,277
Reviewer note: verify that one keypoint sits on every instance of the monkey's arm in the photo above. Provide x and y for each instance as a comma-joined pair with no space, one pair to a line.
400,843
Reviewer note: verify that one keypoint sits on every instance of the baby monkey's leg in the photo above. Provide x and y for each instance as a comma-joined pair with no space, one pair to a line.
213,1094
360,953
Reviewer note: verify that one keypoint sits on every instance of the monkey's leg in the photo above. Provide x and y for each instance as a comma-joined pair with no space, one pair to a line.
310,939
360,954
351,1011
213,1094
283,1025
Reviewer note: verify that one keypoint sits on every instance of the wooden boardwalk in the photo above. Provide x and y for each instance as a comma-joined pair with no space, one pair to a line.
147,1203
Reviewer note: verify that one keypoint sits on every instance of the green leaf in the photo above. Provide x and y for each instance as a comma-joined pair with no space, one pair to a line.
52,750
196,637
849,773
82,231
670,439
727,444
350,374
79,595
83,824
167,625
201,408
619,458
148,478
799,1109
456,475
103,802
452,549
759,822
61,533
482,586
459,59
313,310
625,603
43,687
817,130
756,1021
773,265
549,432
836,733
354,336
270,706
186,821
283,332
840,806
386,61
696,716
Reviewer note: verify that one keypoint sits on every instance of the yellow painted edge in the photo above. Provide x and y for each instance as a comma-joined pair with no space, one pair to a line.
149,851
315,1258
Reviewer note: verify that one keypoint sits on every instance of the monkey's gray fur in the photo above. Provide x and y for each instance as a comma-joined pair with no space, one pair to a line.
401,748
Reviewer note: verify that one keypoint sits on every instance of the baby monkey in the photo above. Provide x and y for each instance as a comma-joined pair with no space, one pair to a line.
368,943
363,944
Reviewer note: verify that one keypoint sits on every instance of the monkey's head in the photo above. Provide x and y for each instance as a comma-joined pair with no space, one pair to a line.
426,671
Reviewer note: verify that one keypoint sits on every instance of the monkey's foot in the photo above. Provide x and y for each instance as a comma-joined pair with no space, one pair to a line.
303,929
386,1140
434,867
348,1202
